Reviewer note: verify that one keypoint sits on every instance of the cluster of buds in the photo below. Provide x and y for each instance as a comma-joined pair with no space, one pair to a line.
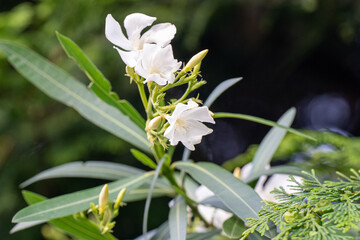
105,211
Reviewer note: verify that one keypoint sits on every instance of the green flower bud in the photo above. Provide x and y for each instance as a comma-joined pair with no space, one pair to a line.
154,123
103,199
195,60
119,198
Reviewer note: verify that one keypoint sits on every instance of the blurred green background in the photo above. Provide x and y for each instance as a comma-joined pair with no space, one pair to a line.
302,53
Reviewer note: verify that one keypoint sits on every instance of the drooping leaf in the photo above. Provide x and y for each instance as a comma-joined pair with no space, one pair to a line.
177,219
25,225
290,170
63,87
204,235
143,158
261,121
215,202
240,198
99,84
89,169
75,202
222,87
233,227
271,142
80,228
148,199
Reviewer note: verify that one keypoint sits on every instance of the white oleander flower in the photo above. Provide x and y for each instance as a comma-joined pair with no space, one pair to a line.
134,24
157,64
265,185
185,124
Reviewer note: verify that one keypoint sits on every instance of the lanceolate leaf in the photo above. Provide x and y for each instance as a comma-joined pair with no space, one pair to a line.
222,87
143,158
271,142
80,228
177,220
75,202
233,227
204,235
63,87
99,84
240,198
289,170
90,169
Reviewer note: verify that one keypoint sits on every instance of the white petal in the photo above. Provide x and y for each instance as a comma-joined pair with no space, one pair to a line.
196,129
161,34
139,69
148,53
114,33
136,22
169,134
156,78
129,58
201,114
179,109
188,145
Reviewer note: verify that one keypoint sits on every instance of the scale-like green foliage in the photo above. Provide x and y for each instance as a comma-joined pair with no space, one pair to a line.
315,210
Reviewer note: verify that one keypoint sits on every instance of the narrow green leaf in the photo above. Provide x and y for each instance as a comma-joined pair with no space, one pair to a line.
271,142
177,220
25,225
240,198
222,87
142,193
290,170
204,235
63,87
143,158
90,169
233,227
215,202
99,84
262,121
75,202
148,199
79,228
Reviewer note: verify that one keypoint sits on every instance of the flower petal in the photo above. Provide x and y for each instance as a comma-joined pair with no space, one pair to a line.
129,58
200,114
114,33
161,34
135,23
156,78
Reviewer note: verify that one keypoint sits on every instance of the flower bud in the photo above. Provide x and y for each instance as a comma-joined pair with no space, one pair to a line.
103,199
195,60
119,198
130,72
237,173
154,123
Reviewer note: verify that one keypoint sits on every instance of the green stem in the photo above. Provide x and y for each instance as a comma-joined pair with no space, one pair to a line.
262,121
142,94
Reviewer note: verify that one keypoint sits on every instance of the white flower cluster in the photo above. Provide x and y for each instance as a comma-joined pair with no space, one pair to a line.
151,56
150,53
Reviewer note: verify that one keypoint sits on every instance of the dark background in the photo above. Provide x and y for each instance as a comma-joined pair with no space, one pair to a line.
302,53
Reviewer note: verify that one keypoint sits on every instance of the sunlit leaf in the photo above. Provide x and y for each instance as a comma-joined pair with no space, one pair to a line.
222,87
90,169
233,227
99,84
80,228
75,202
143,158
63,87
240,198
271,142
177,219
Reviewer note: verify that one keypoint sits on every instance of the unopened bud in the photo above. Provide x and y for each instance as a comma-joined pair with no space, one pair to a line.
195,60
130,72
119,198
237,171
103,199
154,123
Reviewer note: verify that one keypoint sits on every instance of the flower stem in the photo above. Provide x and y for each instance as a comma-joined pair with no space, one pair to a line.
142,94
262,121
